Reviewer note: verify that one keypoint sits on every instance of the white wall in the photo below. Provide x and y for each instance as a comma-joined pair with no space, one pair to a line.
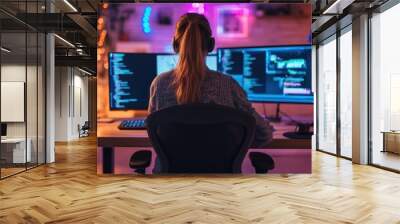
10,73
16,73
81,83
71,102
61,103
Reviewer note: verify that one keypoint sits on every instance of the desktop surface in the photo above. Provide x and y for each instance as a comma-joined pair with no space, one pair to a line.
109,135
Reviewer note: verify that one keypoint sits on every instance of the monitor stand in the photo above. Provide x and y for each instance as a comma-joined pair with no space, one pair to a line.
302,131
277,117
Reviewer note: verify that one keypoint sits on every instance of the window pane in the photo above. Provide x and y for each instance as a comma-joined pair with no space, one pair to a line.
327,97
346,94
385,84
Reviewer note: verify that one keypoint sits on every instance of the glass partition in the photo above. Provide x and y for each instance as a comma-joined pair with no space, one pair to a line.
15,149
385,89
327,96
22,88
345,93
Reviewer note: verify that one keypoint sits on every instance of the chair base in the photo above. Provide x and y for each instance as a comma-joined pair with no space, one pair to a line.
261,162
140,160
140,171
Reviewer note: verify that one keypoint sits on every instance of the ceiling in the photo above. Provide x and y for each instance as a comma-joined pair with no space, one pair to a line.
76,24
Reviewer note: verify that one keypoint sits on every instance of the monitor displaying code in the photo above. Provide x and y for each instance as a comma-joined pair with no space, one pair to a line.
270,74
131,74
130,77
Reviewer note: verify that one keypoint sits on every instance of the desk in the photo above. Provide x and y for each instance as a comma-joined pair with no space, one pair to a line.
109,138
19,155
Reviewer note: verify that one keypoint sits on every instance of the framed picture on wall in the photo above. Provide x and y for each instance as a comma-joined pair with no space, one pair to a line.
232,22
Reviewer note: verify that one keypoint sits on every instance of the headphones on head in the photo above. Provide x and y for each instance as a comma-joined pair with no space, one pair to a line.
208,44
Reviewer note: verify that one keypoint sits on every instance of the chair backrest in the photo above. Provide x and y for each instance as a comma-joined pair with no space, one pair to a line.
200,138
86,125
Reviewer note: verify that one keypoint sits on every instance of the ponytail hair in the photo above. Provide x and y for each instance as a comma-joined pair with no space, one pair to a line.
190,36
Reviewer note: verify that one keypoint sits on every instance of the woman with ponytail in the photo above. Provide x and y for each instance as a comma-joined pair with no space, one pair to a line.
193,82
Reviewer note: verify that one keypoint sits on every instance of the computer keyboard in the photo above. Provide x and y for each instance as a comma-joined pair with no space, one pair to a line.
132,124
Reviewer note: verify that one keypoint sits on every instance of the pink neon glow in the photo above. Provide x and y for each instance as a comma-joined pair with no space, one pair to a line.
239,13
198,8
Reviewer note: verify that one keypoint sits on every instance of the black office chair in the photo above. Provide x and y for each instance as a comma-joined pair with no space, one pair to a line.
84,129
200,138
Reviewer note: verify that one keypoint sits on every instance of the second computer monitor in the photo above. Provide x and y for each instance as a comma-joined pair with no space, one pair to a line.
279,74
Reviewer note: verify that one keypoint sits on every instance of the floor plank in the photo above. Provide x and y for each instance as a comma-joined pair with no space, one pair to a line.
69,191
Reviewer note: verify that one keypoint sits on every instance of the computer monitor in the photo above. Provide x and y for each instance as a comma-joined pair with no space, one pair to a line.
277,74
130,77
131,74
167,62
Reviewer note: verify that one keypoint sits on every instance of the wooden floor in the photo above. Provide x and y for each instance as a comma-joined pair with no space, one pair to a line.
386,159
10,171
5,172
69,191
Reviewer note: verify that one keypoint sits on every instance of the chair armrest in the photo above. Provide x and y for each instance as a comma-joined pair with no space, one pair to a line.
140,159
261,162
